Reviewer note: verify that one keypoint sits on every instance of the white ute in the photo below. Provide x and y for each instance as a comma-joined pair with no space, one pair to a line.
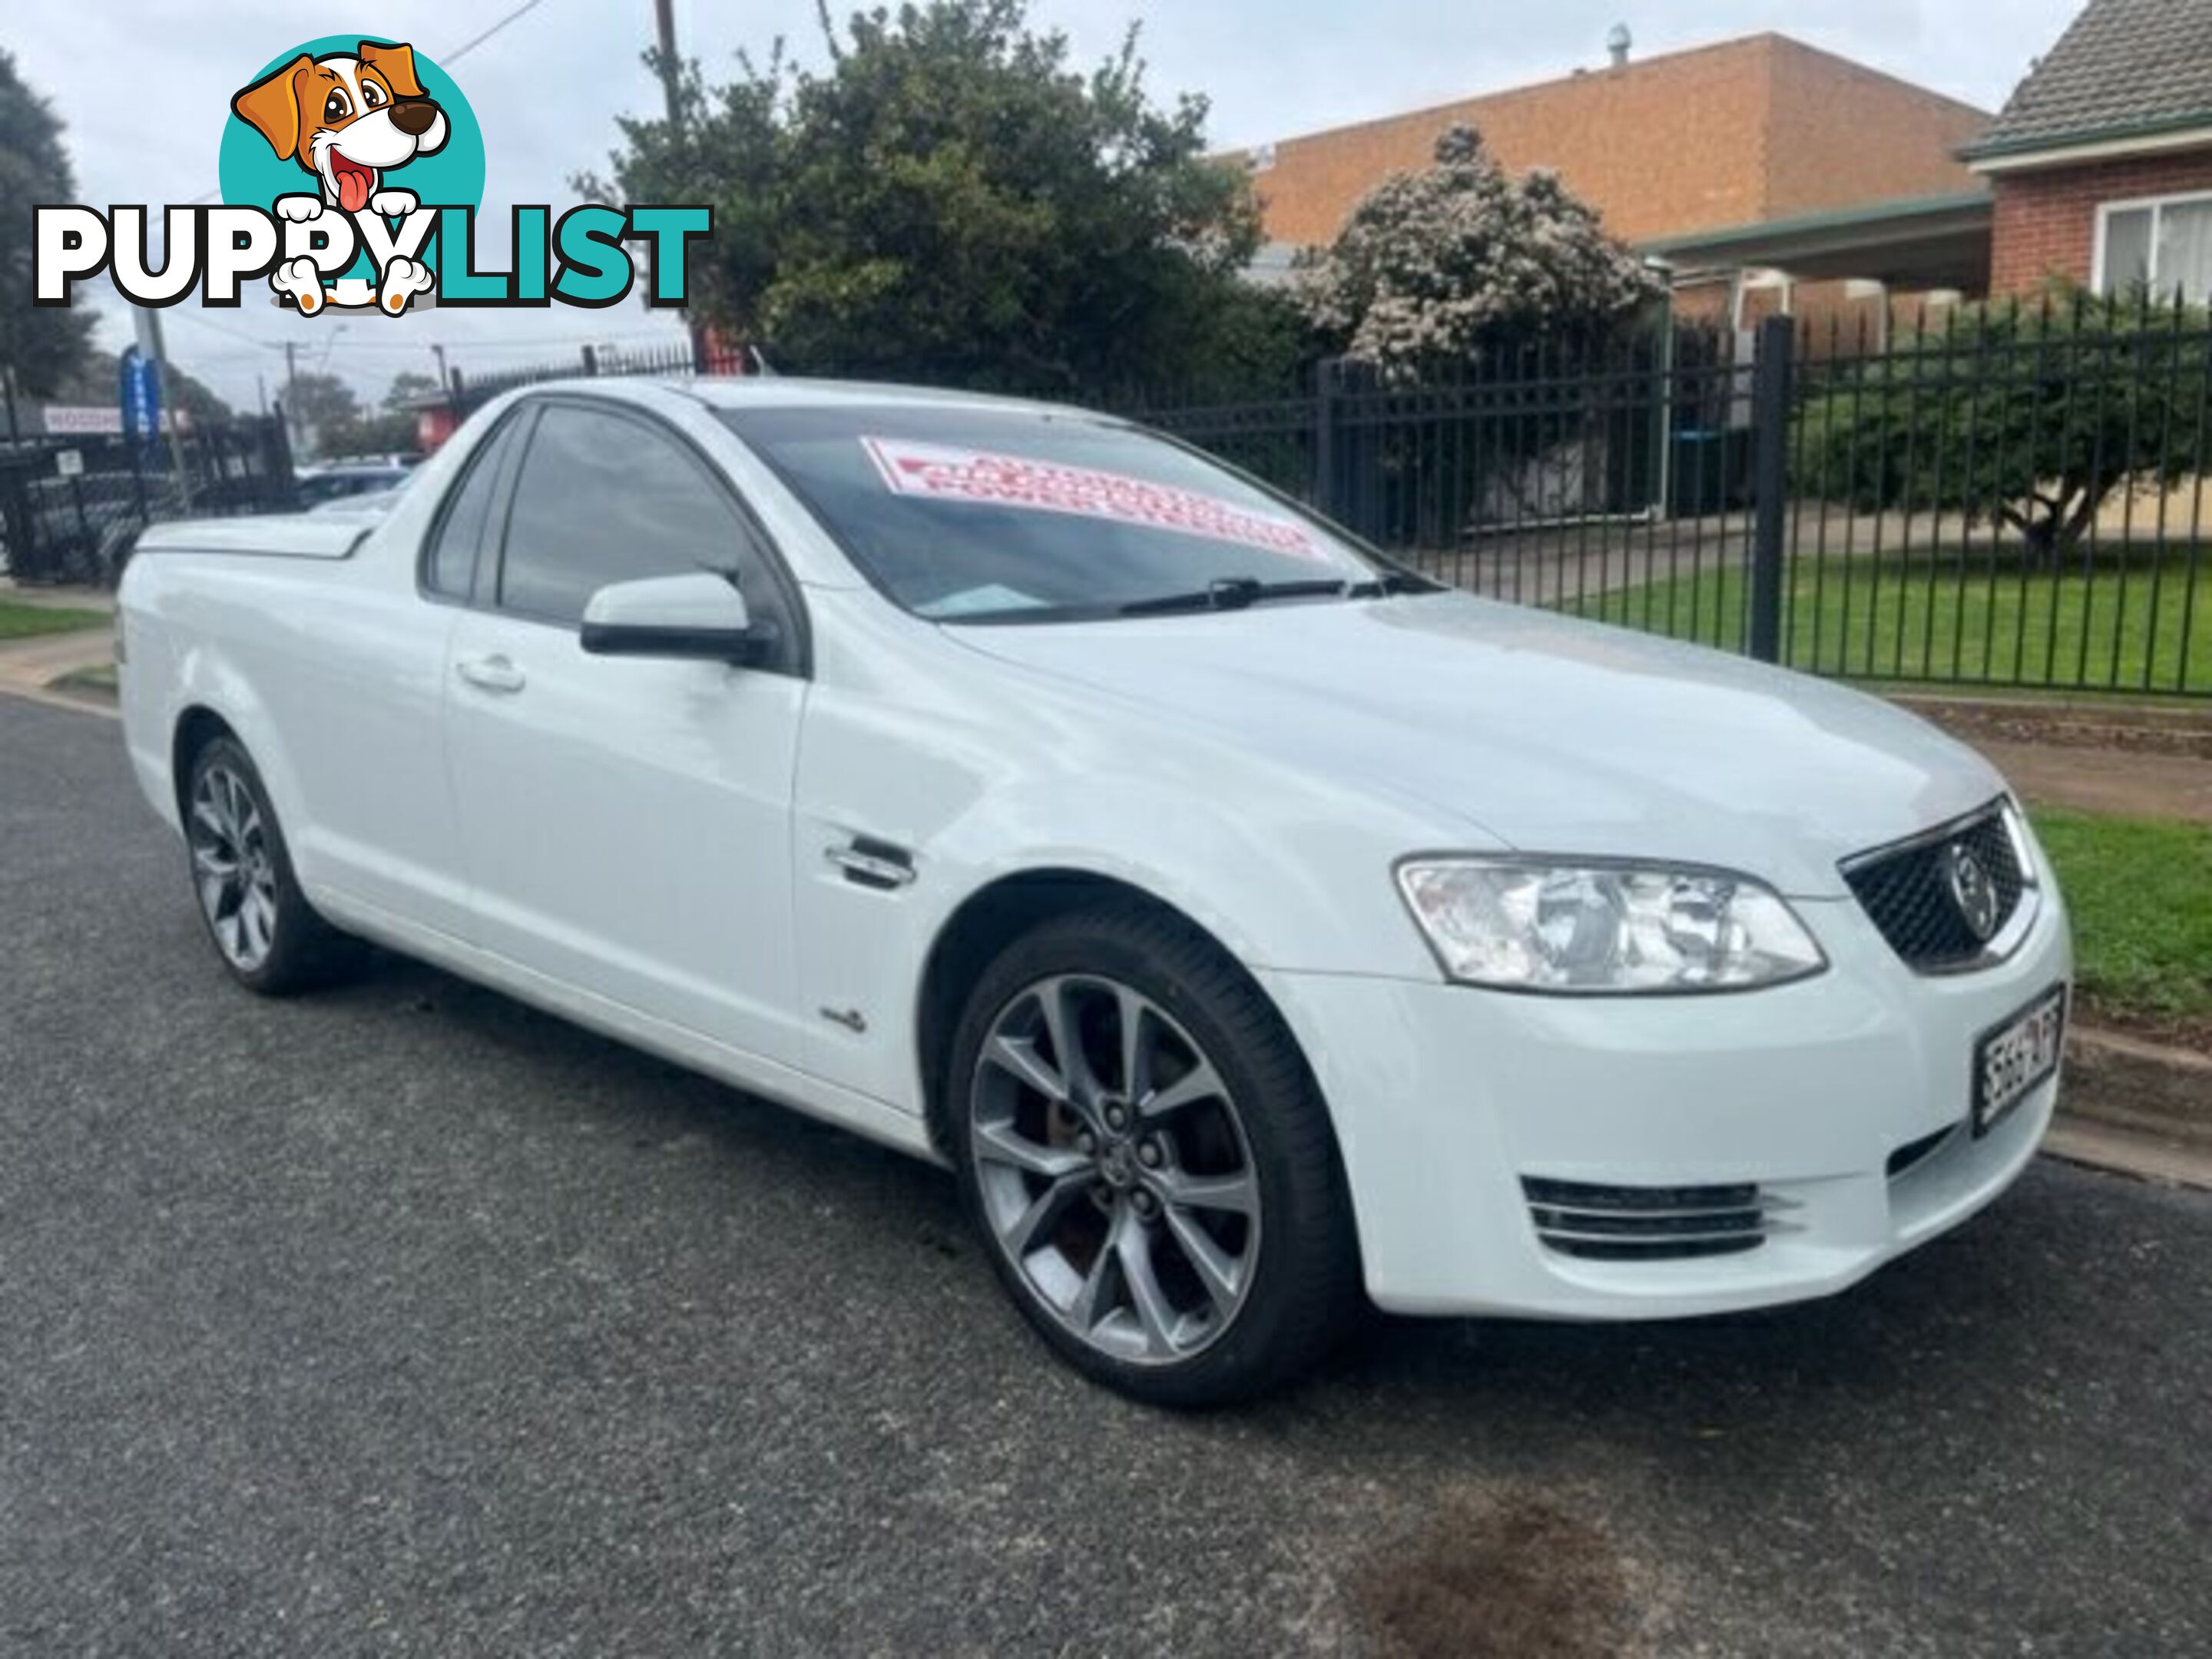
1250,924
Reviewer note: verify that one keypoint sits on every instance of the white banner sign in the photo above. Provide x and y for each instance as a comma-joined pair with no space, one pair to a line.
940,473
90,420
68,420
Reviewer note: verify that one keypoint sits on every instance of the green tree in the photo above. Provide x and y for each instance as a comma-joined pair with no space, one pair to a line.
1437,265
39,345
2030,416
342,427
324,410
950,201
408,388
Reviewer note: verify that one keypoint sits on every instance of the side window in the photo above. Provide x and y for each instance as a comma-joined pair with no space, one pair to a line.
604,498
450,570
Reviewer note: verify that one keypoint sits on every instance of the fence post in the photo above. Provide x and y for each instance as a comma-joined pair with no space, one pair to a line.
1770,480
1324,449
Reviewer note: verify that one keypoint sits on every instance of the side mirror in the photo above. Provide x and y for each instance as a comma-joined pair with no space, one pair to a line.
699,615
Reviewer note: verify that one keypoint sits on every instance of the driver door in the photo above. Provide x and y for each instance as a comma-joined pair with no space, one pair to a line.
626,821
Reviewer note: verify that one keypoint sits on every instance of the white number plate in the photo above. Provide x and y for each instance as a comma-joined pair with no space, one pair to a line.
2012,1060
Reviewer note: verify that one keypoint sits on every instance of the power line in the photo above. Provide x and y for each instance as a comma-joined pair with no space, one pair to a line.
193,314
522,10
463,343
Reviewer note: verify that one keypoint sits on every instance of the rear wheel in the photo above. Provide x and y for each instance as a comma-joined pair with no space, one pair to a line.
1143,1148
262,926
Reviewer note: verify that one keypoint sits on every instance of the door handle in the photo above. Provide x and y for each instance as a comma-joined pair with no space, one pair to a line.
492,673
868,862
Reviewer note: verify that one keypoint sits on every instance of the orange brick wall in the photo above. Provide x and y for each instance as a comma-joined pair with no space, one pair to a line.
2046,221
1698,140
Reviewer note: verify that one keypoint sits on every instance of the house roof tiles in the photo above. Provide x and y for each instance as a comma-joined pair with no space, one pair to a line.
2124,67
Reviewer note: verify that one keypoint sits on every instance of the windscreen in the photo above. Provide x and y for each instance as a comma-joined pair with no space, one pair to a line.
1002,516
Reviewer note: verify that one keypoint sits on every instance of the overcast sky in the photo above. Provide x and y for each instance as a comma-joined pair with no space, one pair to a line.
144,86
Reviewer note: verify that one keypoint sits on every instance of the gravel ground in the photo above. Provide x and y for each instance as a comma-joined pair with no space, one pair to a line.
404,1320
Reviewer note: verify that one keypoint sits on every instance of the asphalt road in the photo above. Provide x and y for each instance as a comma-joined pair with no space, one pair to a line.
406,1319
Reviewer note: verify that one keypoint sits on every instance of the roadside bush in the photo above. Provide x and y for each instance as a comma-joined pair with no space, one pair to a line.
2028,417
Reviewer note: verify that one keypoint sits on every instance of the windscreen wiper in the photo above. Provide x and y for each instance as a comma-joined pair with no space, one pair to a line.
1230,593
1391,582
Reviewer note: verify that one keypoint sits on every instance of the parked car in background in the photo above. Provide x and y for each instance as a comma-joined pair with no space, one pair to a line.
1250,924
374,504
334,480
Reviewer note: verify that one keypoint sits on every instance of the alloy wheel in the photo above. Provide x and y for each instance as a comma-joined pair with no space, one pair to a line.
1113,1168
232,867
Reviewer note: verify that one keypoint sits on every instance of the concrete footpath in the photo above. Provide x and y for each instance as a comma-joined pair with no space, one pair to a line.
2144,761
29,667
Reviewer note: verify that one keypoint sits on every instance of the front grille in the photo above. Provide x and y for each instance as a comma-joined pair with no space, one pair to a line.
1913,892
1647,1224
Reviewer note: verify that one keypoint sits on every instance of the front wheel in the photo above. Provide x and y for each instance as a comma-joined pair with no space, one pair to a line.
1148,1156
267,933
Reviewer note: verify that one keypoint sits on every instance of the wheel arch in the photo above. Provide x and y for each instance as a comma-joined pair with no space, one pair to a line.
197,727
983,924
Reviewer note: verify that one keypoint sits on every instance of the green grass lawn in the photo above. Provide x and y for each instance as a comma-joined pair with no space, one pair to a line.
19,621
2140,892
2125,627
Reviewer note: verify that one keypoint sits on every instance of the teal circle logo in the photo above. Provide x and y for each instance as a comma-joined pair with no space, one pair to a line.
301,121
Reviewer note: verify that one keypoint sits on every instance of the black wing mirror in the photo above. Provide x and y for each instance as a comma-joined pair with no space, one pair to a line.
700,615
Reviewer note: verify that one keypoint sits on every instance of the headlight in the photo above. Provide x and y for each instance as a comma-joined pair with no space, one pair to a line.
1595,928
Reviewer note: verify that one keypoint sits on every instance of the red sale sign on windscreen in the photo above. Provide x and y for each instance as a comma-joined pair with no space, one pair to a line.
940,473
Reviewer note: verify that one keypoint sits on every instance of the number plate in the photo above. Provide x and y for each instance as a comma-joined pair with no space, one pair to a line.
2010,1060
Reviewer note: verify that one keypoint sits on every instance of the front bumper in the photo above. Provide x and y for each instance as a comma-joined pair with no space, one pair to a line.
1447,1098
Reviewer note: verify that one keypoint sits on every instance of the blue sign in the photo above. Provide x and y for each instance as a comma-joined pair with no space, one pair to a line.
139,389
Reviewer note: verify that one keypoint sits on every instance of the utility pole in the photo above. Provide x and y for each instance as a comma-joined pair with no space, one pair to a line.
664,17
439,352
148,319
292,393
261,391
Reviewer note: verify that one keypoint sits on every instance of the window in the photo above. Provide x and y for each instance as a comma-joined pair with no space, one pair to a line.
969,513
605,498
2165,244
451,568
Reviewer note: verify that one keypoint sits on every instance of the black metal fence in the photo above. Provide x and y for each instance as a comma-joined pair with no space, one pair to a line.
467,393
2009,497
2006,499
71,506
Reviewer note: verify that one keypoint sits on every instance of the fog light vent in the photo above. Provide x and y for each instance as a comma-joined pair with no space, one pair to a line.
1647,1224
1917,1151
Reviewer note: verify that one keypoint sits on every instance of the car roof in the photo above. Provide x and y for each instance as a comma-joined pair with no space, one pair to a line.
785,391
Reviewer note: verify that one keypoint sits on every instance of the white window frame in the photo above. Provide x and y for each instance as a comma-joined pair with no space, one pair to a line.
2157,204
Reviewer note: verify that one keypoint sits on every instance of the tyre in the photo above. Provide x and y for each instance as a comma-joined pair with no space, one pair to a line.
266,932
1149,1160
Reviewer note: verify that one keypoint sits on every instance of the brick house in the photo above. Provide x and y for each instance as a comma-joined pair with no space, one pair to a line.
2101,167
1696,156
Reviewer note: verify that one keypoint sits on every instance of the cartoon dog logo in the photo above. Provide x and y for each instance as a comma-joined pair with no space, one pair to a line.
349,119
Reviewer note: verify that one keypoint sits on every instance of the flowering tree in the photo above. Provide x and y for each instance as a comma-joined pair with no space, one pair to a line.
1437,265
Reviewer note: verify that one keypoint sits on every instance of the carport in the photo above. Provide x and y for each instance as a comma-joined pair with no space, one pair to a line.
1920,245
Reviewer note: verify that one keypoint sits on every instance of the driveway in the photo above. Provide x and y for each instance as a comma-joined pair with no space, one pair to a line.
404,1320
